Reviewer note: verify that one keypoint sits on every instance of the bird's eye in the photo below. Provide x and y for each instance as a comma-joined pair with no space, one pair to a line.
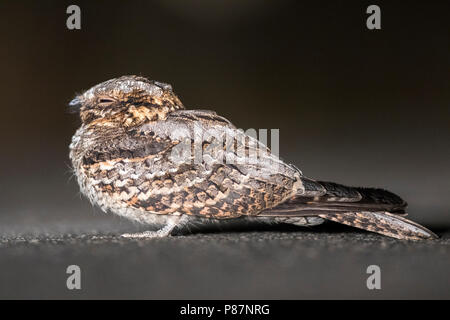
106,101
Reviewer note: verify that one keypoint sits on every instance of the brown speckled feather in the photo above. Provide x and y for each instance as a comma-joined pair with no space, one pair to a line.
385,223
136,170
140,154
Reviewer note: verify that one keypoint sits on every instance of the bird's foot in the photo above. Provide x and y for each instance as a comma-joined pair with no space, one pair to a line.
147,234
161,233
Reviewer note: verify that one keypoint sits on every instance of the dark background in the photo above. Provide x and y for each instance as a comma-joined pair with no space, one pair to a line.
355,106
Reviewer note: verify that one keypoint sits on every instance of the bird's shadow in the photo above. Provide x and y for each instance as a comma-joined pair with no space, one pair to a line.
327,227
263,227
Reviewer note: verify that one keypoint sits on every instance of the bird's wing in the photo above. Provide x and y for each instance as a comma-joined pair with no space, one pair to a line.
198,173
207,116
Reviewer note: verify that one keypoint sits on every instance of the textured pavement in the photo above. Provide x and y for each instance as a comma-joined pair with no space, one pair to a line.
327,262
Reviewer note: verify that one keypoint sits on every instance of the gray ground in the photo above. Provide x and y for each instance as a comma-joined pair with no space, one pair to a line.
327,262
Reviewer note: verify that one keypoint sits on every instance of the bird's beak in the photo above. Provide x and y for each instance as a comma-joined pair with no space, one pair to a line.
75,105
75,102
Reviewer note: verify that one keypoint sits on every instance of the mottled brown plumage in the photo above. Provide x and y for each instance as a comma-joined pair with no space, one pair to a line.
141,155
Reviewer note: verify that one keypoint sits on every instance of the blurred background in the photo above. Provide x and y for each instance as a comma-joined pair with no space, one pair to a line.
360,107
355,106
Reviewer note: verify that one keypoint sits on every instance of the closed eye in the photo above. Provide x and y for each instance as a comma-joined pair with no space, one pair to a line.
106,101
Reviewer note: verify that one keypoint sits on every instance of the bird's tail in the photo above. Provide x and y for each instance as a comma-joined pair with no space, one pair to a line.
370,209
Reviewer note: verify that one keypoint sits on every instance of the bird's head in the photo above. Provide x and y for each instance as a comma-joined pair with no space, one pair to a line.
129,100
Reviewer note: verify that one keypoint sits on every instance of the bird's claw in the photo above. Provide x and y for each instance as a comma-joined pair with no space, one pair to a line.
145,235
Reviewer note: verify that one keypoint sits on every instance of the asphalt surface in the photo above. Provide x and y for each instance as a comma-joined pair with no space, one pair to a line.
282,262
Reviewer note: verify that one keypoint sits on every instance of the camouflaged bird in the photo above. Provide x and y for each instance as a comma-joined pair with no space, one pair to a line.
133,156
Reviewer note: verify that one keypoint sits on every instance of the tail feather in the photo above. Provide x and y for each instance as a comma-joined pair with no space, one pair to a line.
372,209
322,195
384,223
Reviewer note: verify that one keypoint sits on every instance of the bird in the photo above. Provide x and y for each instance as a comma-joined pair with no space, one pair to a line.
140,154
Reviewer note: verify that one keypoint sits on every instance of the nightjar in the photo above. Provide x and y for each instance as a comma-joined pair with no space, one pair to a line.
141,155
